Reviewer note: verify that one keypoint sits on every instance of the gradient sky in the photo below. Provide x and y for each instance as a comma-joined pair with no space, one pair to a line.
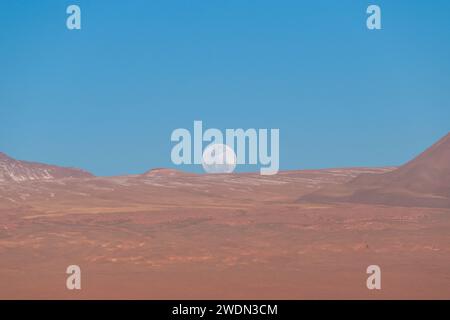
106,98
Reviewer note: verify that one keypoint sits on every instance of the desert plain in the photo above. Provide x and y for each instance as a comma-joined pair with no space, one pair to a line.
167,234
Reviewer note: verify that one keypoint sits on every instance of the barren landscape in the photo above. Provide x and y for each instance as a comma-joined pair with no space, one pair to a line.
167,234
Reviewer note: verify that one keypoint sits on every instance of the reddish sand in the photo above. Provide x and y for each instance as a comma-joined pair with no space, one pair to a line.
205,237
169,235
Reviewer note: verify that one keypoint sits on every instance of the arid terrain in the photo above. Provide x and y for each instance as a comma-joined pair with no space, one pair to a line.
167,234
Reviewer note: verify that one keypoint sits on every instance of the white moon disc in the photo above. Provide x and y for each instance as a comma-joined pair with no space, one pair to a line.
218,158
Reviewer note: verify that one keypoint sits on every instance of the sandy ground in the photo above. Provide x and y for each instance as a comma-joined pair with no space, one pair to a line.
215,237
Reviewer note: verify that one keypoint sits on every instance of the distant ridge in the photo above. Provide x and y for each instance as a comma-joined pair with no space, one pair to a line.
424,181
166,172
12,170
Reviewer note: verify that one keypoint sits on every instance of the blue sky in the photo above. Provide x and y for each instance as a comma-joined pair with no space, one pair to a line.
106,98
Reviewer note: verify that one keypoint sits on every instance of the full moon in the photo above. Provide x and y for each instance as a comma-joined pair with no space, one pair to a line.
218,158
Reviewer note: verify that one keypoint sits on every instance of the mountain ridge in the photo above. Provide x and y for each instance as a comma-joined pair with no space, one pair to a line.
12,170
423,181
